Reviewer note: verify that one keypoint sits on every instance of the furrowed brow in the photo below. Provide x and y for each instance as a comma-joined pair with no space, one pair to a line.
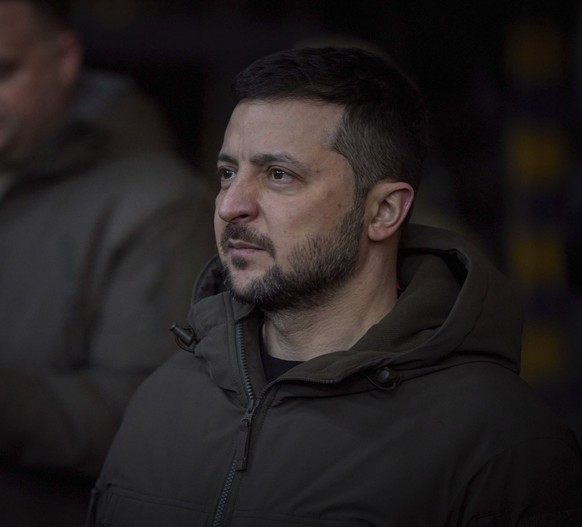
226,158
262,159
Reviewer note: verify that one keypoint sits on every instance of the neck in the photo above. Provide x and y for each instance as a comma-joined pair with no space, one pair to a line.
336,325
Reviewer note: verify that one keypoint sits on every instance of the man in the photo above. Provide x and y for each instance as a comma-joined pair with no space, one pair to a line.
102,232
356,371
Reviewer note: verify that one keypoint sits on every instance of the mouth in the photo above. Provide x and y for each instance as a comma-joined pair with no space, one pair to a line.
240,241
242,248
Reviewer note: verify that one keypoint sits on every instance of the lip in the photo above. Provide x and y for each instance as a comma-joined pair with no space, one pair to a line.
242,248
239,244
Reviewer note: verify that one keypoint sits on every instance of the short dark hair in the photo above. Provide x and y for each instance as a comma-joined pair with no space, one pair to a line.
384,129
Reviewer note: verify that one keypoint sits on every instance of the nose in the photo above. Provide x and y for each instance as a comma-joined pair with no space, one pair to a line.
238,202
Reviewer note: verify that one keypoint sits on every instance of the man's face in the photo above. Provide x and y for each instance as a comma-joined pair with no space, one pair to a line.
33,81
287,228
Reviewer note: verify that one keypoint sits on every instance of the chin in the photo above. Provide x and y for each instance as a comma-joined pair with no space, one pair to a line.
240,281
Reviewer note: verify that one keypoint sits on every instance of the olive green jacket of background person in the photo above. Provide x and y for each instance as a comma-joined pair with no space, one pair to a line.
102,234
423,423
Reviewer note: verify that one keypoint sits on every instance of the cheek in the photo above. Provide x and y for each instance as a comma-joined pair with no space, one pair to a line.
20,101
32,92
323,216
218,227
11,96
217,202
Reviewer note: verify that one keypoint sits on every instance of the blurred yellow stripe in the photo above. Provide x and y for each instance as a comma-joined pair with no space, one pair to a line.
536,53
536,259
543,356
537,155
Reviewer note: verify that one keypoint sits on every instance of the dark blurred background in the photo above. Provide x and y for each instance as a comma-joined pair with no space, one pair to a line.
501,80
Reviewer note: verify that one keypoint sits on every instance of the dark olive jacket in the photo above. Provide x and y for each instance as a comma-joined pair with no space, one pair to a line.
424,422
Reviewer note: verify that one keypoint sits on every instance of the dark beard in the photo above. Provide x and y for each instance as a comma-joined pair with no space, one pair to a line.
319,266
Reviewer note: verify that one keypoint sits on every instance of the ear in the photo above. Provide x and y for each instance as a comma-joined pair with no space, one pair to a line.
70,57
389,203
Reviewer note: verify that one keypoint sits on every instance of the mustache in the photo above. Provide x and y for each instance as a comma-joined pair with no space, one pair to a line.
244,233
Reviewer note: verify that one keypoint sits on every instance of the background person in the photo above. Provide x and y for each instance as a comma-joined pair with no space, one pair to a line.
102,233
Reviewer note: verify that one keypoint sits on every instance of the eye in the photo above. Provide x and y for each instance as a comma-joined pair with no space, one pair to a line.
225,175
280,176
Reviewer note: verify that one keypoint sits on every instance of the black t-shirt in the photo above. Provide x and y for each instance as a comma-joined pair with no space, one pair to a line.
276,367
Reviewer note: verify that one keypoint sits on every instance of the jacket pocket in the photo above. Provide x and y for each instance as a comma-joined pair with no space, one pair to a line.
119,507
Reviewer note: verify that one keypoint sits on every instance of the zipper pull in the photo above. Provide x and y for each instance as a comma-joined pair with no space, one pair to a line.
244,435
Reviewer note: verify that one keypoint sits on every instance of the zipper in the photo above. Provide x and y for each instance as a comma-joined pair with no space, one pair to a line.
244,436
239,462
244,432
221,507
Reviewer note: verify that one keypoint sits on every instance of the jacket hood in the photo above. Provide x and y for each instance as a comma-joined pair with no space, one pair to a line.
454,308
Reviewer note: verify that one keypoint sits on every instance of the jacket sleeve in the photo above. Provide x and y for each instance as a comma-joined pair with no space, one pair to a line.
537,483
65,417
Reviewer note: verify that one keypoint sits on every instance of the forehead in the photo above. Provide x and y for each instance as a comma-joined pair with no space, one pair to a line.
292,125
18,25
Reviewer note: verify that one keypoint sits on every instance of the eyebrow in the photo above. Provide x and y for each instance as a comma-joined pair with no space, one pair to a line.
262,159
